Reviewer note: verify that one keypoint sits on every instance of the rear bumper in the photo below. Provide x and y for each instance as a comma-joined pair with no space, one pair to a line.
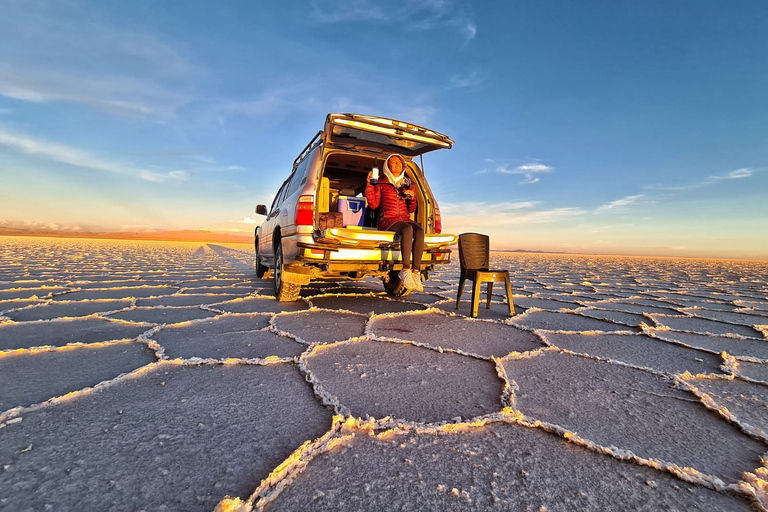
380,257
371,238
359,252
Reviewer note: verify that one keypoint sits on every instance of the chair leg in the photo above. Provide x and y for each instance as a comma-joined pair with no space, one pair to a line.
475,297
461,290
509,298
490,292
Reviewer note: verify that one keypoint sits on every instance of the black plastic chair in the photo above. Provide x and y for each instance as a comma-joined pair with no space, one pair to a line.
474,256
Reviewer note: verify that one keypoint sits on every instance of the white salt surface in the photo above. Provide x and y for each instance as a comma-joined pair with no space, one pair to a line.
15,335
747,401
753,371
380,379
498,310
66,309
500,467
735,346
147,406
440,331
632,410
226,337
553,321
166,315
178,437
698,325
639,351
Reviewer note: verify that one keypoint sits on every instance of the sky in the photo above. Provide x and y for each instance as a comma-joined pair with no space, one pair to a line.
607,127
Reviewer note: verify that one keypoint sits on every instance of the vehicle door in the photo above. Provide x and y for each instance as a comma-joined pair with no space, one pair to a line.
266,250
390,135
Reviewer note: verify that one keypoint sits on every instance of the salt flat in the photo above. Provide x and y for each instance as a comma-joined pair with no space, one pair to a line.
164,376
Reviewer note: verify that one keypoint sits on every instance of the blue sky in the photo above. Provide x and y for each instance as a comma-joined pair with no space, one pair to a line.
609,127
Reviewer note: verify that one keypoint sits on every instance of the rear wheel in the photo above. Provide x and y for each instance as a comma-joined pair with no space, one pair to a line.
261,270
394,286
284,292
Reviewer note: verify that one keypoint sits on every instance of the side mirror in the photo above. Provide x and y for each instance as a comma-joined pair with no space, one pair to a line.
261,209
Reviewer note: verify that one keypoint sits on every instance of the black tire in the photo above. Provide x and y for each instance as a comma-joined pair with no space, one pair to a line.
284,292
395,287
261,270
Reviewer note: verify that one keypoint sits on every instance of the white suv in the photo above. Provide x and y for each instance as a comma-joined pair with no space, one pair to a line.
318,225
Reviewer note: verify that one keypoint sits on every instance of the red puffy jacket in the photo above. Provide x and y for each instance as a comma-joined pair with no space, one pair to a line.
393,207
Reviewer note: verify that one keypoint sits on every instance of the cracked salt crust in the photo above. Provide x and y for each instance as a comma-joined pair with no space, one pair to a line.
638,351
435,329
345,365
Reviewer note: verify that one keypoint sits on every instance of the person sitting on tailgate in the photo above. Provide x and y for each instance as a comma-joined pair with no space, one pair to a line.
394,194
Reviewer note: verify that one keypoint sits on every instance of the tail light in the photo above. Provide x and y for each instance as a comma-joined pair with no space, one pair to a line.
438,222
305,211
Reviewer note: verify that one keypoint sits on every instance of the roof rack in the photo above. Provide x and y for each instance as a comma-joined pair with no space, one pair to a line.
308,148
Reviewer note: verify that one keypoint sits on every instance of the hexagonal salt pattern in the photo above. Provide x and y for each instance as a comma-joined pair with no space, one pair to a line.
164,376
440,331
747,402
226,337
58,333
29,378
175,438
66,310
498,467
640,351
321,326
381,379
632,410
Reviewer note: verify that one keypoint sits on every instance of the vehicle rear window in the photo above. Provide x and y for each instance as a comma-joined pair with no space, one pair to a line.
346,132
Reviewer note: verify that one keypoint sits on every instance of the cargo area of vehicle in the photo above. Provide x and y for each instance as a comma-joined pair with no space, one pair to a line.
342,186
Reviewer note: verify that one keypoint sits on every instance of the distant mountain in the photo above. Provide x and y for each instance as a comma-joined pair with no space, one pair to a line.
188,235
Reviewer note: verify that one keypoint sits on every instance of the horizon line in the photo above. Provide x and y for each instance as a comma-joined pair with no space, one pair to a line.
192,235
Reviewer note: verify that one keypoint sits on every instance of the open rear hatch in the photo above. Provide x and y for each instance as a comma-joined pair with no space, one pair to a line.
382,133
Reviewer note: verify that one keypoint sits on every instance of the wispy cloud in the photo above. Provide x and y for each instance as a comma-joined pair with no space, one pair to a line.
470,30
37,225
267,103
527,170
621,204
137,228
125,96
66,59
80,158
736,174
473,79
478,215
352,10
421,15
611,227
320,97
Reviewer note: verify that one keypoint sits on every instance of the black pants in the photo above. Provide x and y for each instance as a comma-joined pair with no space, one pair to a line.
411,238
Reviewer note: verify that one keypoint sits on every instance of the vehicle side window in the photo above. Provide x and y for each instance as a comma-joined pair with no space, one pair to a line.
299,177
279,196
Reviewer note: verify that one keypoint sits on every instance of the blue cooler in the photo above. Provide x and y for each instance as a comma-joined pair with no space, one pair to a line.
352,210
